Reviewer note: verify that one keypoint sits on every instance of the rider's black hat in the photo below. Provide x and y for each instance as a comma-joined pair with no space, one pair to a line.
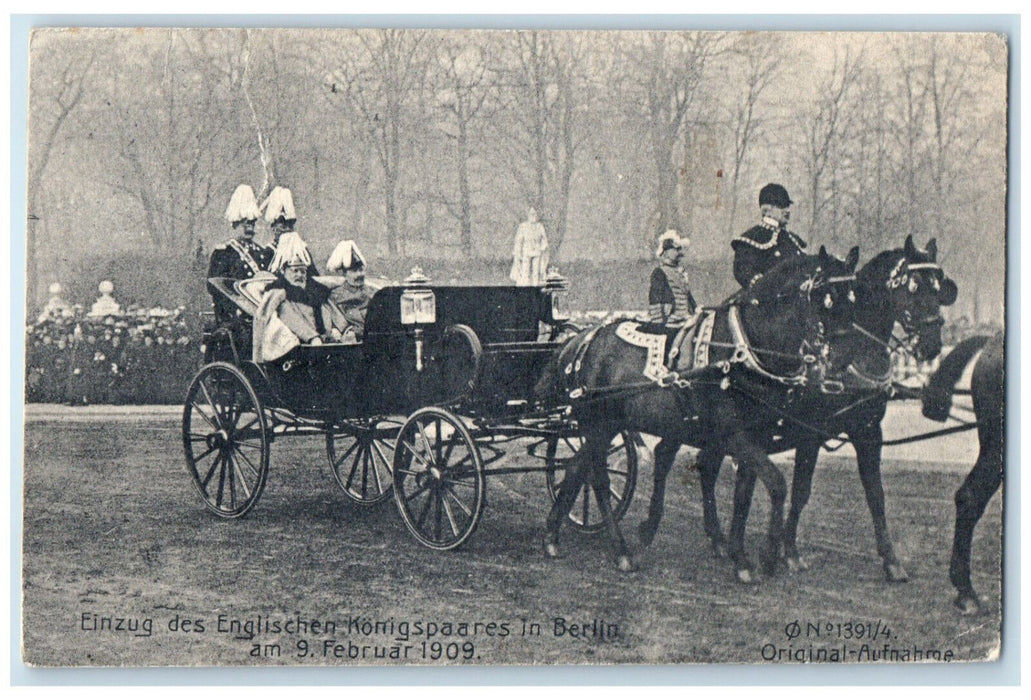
776,195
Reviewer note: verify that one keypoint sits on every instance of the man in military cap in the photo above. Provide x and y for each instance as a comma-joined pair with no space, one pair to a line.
241,257
765,245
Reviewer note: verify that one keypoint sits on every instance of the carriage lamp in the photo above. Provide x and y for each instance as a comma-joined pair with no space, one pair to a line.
418,309
557,287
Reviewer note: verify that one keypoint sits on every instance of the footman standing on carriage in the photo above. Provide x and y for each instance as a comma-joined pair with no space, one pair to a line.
241,257
670,301
281,216
768,243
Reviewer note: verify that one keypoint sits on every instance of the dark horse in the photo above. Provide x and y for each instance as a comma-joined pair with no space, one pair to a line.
904,285
988,390
772,336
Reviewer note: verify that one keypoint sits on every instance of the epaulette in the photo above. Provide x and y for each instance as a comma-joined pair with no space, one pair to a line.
756,244
222,246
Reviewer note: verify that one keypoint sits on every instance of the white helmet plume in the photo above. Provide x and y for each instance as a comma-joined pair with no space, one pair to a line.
280,202
242,206
344,256
291,250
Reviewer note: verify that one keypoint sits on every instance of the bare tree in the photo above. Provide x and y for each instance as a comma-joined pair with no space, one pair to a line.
760,57
465,92
53,100
665,71
380,75
824,127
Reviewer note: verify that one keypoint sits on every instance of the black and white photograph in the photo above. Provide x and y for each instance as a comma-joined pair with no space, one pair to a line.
388,346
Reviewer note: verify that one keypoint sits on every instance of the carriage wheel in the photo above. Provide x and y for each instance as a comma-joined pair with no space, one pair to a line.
226,440
621,462
361,455
439,485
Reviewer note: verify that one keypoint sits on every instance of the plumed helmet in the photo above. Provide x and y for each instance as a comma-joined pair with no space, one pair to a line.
280,204
291,250
242,206
345,256
776,195
671,239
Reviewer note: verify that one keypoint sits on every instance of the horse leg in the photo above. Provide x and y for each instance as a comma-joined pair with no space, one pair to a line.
665,452
577,468
801,487
752,463
709,462
868,456
601,485
971,499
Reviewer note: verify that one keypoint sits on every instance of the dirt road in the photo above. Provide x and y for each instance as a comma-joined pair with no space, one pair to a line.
124,566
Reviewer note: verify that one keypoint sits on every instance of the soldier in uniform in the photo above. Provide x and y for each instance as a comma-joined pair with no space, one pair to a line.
281,216
670,301
352,297
241,257
763,246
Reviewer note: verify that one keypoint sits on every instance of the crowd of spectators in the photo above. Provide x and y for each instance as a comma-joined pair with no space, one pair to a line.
135,355
131,356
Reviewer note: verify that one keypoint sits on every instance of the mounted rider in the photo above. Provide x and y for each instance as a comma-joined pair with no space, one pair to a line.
670,301
761,247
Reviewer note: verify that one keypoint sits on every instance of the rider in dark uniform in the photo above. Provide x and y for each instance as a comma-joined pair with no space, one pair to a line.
763,246
239,258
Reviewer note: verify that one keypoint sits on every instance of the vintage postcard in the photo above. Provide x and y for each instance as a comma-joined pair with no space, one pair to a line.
404,347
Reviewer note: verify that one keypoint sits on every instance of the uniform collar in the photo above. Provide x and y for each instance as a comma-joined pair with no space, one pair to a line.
770,223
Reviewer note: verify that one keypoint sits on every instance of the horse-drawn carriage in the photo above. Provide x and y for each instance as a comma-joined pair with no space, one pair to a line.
418,409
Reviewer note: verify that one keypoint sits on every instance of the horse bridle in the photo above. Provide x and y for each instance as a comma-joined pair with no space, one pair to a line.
902,275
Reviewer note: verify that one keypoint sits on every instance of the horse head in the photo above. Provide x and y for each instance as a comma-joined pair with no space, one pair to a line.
917,289
807,303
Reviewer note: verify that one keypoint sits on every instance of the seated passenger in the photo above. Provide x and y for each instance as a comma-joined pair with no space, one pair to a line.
352,297
293,309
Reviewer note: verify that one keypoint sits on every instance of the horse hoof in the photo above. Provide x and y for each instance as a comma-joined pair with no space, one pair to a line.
967,604
746,576
550,547
625,564
796,564
894,573
645,534
719,550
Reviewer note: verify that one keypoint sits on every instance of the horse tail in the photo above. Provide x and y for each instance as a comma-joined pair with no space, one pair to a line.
550,387
937,395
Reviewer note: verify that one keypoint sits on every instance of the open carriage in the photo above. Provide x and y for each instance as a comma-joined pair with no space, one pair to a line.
419,409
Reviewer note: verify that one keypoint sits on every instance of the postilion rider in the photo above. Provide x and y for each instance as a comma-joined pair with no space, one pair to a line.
765,245
670,302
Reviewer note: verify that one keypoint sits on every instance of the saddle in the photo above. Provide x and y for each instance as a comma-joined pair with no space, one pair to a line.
688,345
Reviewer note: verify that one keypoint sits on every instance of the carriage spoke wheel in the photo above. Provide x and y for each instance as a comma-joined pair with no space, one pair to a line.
439,484
621,463
361,455
226,440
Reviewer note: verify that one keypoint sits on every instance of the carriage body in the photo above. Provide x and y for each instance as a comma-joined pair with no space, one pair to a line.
481,354
441,374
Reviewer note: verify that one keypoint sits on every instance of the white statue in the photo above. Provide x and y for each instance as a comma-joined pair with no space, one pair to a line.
105,305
